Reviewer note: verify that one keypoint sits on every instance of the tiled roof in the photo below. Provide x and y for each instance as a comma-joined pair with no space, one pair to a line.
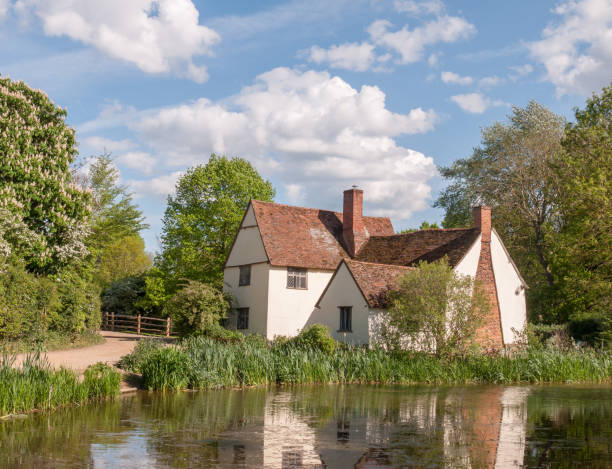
424,245
375,280
307,237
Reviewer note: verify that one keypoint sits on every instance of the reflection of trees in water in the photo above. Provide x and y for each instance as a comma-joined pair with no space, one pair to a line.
325,426
572,429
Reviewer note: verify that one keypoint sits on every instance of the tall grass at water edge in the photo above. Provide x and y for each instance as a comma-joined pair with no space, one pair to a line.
36,386
203,363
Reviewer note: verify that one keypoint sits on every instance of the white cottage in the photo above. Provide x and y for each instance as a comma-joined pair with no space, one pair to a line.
292,266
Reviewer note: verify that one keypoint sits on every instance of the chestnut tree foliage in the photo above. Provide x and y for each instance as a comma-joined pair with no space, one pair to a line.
37,191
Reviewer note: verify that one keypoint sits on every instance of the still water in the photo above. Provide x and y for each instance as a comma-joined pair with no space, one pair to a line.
324,427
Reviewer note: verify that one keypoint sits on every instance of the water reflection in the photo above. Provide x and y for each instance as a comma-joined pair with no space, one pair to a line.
324,427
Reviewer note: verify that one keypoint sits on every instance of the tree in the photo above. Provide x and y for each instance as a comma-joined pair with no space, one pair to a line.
124,257
584,251
434,309
114,215
424,226
512,171
195,307
203,216
36,185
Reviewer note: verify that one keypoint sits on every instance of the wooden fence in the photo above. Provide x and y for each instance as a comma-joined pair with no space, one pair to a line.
138,324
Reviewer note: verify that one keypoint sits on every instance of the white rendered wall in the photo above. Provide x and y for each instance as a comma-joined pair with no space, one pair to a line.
290,308
253,296
248,247
510,293
469,264
343,291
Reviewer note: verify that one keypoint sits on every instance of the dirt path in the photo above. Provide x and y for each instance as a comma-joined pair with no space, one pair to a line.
116,344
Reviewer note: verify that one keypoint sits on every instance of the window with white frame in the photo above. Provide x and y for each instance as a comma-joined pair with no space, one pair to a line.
245,275
346,319
297,278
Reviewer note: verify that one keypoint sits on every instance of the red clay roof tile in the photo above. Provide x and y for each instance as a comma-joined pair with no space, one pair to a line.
376,280
307,237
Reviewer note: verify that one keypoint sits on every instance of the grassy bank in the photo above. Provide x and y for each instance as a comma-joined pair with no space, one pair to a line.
35,386
51,341
203,363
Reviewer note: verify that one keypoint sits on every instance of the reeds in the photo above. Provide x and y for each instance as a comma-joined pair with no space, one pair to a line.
36,386
203,363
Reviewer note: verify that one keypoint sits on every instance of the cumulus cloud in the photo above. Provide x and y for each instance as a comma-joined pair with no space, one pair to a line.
139,160
159,186
349,56
489,82
158,36
456,79
410,44
475,103
4,8
419,8
101,144
311,130
577,51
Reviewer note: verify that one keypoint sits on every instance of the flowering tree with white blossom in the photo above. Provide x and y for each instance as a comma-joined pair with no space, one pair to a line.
39,200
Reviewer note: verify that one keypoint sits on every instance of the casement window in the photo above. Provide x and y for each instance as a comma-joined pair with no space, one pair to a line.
245,275
296,278
346,319
242,318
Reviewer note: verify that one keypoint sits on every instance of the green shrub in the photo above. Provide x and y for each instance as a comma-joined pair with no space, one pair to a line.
195,307
166,368
141,353
123,296
316,337
101,380
217,332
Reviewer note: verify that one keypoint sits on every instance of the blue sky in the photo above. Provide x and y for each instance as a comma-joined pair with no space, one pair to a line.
318,95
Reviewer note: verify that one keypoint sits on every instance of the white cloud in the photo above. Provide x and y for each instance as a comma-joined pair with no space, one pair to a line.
577,51
349,56
475,103
101,144
308,129
410,44
139,160
159,186
489,82
434,7
522,70
158,36
433,59
4,8
295,193
454,78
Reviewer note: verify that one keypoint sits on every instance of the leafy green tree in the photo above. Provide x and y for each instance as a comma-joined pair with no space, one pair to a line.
512,171
36,184
584,250
114,214
434,309
424,226
203,216
125,257
123,295
196,307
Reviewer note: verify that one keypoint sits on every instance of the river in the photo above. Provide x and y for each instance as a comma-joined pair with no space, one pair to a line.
356,426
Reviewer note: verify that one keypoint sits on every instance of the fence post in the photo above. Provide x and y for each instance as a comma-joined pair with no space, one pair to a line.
168,327
138,325
112,321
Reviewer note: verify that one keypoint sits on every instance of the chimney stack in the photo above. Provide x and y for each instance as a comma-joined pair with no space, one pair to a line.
353,229
482,221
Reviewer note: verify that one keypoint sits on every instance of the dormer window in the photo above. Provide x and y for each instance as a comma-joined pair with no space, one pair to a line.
245,275
296,278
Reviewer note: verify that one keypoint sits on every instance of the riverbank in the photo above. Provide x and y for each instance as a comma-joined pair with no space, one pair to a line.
203,363
35,385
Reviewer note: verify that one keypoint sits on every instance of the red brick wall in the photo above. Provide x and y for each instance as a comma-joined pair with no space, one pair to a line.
482,221
353,229
489,335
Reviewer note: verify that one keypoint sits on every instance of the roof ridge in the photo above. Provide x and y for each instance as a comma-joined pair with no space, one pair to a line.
377,263
411,233
309,208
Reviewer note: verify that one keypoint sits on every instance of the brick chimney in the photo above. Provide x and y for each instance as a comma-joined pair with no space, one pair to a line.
490,333
353,229
482,221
